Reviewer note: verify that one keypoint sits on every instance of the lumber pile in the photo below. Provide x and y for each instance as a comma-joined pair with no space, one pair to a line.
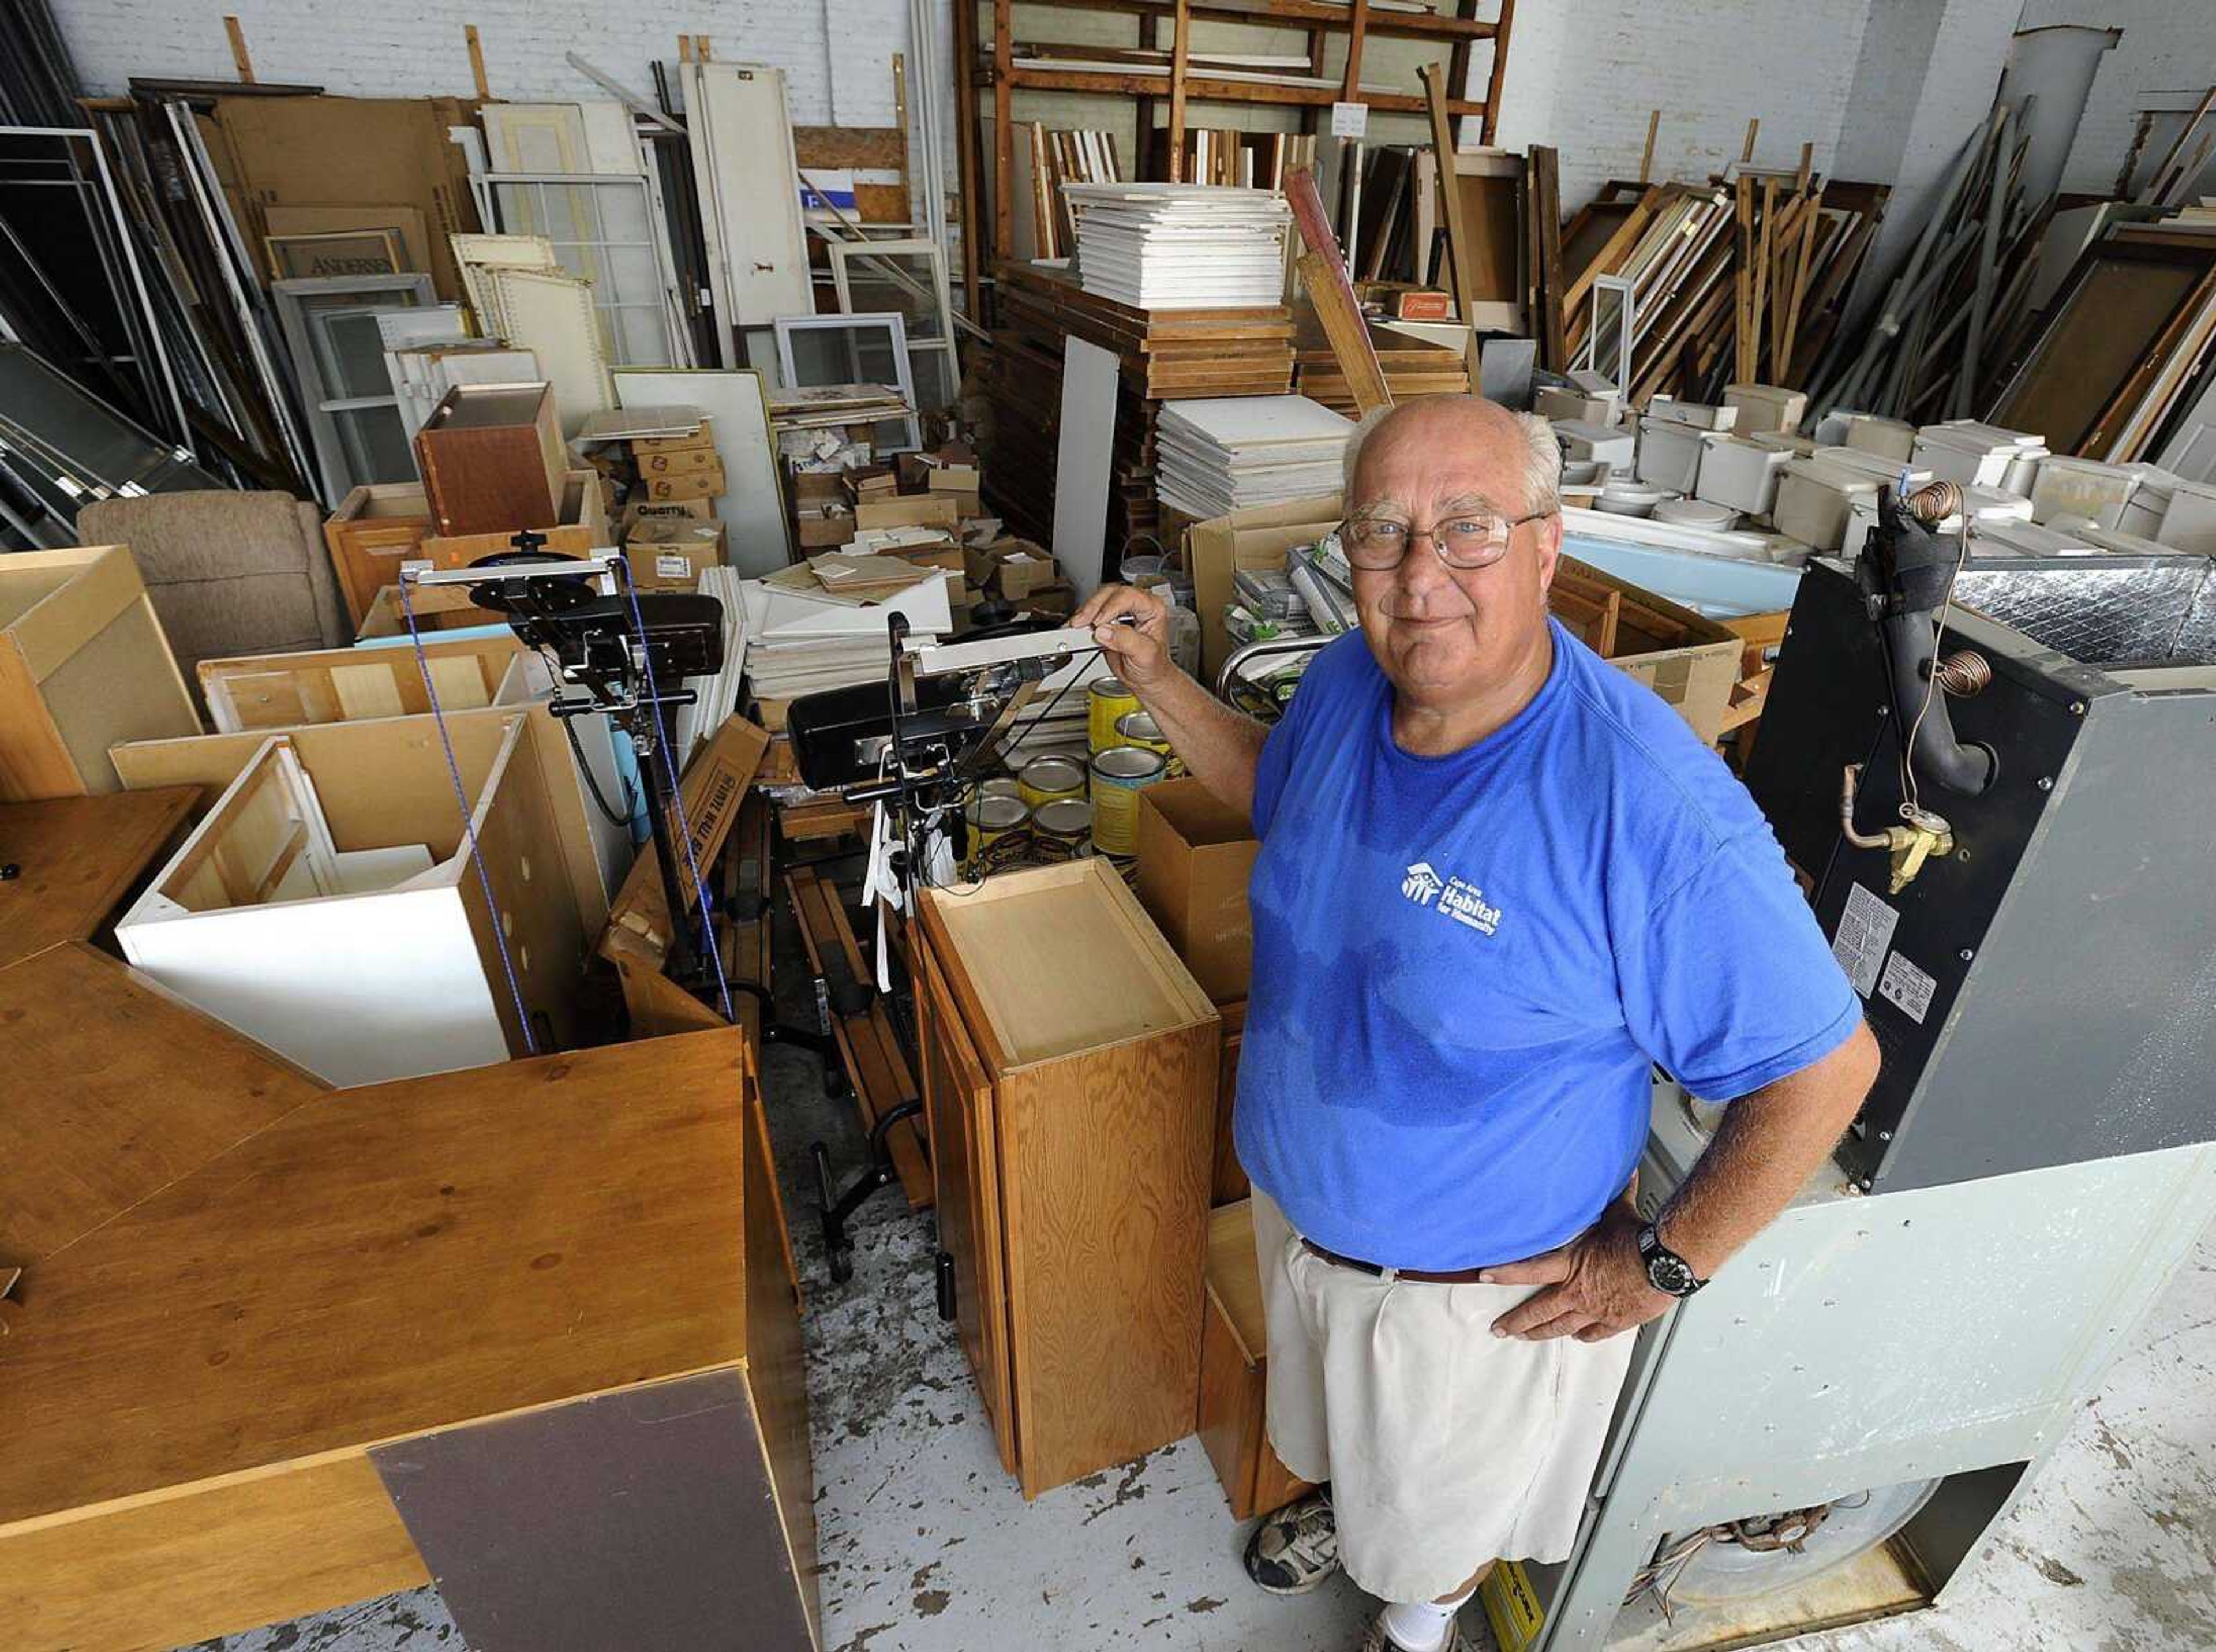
1164,355
1955,313
1734,280
1414,367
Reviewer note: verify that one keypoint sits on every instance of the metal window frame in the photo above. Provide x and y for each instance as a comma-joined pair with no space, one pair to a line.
139,317
843,252
891,321
333,460
497,208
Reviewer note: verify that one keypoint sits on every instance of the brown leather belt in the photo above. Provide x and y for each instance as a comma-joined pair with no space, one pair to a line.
1459,1276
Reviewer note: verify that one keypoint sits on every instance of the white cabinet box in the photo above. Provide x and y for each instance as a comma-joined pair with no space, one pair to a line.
328,906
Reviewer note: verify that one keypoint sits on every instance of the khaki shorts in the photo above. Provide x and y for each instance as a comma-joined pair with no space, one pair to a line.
1446,1446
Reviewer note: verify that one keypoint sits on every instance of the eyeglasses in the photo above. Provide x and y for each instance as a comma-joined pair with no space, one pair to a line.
1474,540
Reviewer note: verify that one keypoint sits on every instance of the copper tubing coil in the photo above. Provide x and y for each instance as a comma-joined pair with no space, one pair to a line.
1936,502
1965,671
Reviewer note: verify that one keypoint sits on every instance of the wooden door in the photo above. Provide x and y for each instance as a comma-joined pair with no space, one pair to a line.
958,1097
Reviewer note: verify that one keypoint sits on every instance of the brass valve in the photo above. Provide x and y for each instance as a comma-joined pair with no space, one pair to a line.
1923,835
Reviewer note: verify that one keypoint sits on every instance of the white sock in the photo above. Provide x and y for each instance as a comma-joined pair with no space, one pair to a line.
1422,1626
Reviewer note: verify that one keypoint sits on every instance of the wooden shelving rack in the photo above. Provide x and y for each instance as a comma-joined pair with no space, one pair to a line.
1003,76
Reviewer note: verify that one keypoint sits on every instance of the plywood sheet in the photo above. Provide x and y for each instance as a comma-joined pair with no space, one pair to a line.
77,859
1086,446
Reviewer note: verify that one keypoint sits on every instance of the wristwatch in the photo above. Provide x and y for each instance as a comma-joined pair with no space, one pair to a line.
1666,1271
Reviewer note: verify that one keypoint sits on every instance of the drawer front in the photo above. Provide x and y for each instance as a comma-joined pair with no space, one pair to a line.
958,1102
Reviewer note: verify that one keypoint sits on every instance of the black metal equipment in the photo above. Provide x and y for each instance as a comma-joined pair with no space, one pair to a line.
595,644
2026,905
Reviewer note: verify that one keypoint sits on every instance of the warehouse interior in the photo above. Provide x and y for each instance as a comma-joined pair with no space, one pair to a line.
667,688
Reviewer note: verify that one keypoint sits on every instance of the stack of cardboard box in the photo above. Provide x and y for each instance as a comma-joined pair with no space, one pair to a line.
670,531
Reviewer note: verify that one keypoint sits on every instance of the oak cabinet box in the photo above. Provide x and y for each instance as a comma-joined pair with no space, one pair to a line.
1069,1064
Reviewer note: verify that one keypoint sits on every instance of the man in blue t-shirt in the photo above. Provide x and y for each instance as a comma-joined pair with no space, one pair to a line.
1499,881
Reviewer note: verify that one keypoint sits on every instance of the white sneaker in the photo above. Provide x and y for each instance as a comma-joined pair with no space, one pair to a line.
1378,1640
1296,1549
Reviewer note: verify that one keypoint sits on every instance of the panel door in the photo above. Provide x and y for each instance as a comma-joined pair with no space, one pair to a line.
957,1096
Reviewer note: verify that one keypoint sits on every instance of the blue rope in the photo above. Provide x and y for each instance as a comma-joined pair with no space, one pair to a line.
469,827
676,793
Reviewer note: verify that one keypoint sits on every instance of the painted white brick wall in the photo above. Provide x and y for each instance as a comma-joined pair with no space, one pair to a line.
414,48
1584,74
2169,46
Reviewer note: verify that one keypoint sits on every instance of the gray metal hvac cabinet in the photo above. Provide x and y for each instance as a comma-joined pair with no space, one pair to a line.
2046,993
1860,1342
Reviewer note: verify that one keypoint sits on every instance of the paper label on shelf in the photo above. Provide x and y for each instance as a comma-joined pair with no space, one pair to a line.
1908,987
1349,120
667,566
1865,932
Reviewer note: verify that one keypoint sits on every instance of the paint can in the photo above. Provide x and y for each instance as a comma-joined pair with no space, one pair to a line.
1119,775
1000,833
1060,830
1050,779
1106,701
1139,729
1001,785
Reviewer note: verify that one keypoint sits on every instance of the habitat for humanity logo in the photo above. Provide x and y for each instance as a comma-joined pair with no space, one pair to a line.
1422,884
1457,898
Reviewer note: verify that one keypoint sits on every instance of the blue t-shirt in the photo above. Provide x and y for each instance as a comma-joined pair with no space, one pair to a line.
1464,965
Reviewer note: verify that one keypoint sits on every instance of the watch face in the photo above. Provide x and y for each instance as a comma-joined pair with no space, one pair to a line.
1670,1274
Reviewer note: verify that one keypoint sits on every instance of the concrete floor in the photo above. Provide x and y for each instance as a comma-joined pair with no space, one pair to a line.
928,1547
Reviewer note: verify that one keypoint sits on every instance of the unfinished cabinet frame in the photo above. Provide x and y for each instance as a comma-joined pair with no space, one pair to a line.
328,904
84,664
1070,1066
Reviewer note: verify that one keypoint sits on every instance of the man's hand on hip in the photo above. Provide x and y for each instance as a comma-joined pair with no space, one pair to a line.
1597,1284
1138,650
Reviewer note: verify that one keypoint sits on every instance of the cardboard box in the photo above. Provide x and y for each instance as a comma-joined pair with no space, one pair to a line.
944,554
671,510
818,487
1259,537
713,787
690,484
669,555
1195,854
683,463
823,527
1690,660
909,511
870,481
645,447
1058,601
1021,571
1422,304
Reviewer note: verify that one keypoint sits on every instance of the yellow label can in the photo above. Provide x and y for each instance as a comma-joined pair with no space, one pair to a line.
1050,779
1106,701
1119,775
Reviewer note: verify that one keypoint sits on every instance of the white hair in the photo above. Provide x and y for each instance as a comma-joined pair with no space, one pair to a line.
1542,453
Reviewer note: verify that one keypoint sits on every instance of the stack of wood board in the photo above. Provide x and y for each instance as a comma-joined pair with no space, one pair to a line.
1163,355
1414,367
1227,454
1172,246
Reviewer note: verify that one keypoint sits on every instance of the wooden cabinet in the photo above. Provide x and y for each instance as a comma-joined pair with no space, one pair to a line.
1233,1366
1069,1069
493,459
1228,1179
377,527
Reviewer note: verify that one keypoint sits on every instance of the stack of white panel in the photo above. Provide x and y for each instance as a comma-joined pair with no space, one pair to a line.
797,644
1175,246
1228,453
